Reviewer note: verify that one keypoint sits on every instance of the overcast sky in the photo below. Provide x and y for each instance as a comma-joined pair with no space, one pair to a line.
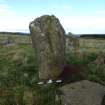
76,16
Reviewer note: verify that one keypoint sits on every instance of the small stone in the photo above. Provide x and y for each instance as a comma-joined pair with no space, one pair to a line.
58,81
40,83
49,81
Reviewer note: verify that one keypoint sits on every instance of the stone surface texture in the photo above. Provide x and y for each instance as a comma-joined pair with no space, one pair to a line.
82,93
48,38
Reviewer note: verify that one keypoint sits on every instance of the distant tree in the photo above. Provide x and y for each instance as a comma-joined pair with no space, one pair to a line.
70,34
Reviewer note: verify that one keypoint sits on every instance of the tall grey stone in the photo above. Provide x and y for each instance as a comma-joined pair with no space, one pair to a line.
48,38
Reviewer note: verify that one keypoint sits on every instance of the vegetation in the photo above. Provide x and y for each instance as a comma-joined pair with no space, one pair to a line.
89,70
13,33
6,38
19,75
92,36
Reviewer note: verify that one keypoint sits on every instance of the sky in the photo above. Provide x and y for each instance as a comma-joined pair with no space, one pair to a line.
76,16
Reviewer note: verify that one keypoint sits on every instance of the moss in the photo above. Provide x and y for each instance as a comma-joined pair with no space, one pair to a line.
49,20
56,72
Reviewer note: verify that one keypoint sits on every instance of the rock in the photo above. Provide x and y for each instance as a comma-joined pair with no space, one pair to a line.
82,93
72,43
48,38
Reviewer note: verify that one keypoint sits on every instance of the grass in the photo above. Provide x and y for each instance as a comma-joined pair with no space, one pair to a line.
19,74
92,45
15,38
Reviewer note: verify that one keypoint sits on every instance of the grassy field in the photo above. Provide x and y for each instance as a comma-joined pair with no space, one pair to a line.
15,38
92,45
19,75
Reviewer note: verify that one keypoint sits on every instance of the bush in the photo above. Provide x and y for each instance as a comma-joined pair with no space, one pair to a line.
73,59
89,70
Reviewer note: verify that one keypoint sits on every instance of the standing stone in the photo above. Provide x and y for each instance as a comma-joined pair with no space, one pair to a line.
48,38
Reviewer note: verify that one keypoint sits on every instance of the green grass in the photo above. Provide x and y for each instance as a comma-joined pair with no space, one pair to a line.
15,38
19,76
92,45
19,73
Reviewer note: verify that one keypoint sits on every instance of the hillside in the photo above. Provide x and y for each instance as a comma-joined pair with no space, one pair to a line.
92,35
13,33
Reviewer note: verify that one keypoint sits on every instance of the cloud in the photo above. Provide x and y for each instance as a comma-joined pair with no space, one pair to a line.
67,7
15,23
2,1
62,7
10,21
84,24
5,9
100,12
74,24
